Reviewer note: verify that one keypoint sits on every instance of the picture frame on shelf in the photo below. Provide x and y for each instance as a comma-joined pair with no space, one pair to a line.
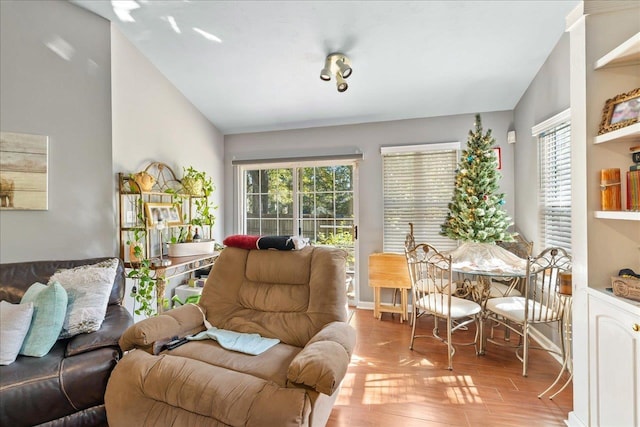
168,212
620,111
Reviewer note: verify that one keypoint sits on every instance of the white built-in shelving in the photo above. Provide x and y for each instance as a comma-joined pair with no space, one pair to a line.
625,215
627,53
629,133
605,61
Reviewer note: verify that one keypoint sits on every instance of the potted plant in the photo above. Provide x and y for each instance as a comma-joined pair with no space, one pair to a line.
204,216
194,181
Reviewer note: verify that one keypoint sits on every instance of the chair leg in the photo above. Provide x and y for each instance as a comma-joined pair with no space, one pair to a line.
449,344
561,328
525,348
480,346
414,320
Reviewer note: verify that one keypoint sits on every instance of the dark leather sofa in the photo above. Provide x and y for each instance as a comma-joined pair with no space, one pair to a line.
65,387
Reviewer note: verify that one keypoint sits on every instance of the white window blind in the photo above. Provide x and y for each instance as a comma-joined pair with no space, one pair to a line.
554,145
418,184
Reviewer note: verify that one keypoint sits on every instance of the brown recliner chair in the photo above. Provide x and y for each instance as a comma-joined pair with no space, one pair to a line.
65,387
298,297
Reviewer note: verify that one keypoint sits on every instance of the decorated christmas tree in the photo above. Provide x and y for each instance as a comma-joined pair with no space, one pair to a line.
476,212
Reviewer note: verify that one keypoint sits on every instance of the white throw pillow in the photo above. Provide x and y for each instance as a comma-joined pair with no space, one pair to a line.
15,320
88,288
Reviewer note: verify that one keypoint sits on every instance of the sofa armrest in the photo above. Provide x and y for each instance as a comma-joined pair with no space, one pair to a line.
117,319
323,362
181,321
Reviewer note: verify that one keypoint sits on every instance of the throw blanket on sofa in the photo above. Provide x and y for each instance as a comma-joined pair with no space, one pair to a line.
253,344
282,243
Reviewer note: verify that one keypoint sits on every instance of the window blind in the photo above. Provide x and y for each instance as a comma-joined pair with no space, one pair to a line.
554,147
418,186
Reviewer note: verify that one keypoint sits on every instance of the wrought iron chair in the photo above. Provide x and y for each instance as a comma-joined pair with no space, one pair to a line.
432,287
540,303
509,287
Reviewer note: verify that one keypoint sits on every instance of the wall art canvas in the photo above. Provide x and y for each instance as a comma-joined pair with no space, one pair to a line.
23,171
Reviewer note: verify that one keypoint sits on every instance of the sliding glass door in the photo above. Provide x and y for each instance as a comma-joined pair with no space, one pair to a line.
314,200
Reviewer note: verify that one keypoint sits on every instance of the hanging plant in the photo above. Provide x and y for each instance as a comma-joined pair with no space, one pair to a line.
143,282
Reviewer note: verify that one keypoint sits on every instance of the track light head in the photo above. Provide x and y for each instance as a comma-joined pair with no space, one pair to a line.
345,70
341,84
338,65
325,74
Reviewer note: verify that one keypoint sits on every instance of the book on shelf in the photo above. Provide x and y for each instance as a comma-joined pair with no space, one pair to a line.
635,167
633,190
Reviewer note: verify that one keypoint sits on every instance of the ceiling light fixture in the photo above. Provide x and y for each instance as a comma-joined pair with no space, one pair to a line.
339,66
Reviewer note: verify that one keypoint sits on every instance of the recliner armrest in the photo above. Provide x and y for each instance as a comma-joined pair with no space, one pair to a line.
181,321
323,362
117,319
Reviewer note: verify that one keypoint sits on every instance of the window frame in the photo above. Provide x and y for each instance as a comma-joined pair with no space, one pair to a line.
555,131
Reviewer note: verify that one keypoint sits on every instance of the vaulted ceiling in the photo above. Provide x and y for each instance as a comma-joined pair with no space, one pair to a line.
254,66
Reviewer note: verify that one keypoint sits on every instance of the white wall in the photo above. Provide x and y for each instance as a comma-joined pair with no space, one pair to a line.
367,138
69,101
154,122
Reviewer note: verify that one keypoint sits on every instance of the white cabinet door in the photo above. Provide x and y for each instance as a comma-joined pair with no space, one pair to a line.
614,364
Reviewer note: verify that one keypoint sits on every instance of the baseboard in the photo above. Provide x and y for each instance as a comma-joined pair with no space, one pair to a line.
574,421
364,305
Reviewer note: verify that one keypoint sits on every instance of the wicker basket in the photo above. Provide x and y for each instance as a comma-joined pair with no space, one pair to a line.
626,287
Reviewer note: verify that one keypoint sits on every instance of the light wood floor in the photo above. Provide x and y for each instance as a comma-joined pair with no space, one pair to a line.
389,385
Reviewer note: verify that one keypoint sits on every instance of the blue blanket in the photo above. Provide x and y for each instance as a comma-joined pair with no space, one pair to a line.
252,344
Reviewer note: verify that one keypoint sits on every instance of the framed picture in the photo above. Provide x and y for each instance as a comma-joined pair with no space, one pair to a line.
621,111
23,171
167,212
498,153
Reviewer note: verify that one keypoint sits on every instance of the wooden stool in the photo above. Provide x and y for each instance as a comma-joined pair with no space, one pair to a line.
389,270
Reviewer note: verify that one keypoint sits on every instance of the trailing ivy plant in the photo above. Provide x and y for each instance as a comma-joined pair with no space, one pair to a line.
143,282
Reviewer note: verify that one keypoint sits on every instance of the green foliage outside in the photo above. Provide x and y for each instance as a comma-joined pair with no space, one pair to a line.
476,212
325,197
343,240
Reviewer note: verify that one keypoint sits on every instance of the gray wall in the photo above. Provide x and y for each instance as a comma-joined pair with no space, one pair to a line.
367,138
546,96
68,100
106,109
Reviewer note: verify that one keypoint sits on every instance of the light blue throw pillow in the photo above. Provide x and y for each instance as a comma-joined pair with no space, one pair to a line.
49,310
